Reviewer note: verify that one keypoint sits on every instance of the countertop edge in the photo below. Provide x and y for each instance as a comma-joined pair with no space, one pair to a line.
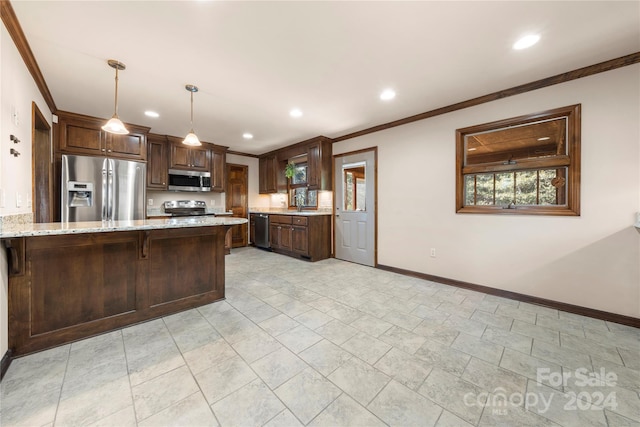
58,228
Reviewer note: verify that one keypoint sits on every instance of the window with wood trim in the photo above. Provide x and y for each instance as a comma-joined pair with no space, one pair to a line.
524,165
298,186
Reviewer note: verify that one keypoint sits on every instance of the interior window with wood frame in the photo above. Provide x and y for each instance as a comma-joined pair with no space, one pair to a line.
298,186
524,165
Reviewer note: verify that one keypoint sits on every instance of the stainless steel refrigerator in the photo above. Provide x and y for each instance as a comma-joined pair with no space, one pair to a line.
99,188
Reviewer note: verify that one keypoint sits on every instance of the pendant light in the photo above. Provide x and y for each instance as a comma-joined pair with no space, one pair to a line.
191,138
115,125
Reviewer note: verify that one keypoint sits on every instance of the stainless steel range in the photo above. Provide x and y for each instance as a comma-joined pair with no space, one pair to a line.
186,208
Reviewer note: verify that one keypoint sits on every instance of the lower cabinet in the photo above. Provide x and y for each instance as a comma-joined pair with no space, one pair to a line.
68,287
307,237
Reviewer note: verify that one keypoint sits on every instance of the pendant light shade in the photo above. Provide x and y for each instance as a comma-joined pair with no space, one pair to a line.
191,138
115,125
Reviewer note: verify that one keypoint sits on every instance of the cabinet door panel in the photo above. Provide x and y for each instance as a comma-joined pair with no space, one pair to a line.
82,139
314,167
183,266
285,237
157,165
218,169
133,145
274,235
62,296
180,157
300,240
200,159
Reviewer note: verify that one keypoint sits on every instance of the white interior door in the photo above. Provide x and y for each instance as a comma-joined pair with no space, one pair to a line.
355,203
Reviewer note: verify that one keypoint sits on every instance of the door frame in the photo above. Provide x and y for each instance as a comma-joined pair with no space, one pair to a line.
41,130
246,198
375,201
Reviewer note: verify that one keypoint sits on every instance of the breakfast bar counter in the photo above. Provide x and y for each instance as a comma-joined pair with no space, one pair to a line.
68,281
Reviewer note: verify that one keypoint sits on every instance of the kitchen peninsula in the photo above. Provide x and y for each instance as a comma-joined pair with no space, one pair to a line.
71,280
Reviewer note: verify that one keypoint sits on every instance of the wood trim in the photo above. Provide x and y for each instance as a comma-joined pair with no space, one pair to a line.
239,153
5,362
570,308
601,67
12,25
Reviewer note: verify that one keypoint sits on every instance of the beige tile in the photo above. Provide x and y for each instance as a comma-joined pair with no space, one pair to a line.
460,397
372,325
403,320
360,380
191,411
278,324
435,331
536,332
344,411
530,367
240,408
447,419
299,338
256,346
479,348
123,418
284,419
161,392
313,319
208,355
443,357
307,394
493,379
404,368
224,378
397,405
366,347
560,355
278,366
336,331
508,339
325,357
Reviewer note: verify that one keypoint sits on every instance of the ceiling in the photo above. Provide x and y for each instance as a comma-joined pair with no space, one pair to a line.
255,61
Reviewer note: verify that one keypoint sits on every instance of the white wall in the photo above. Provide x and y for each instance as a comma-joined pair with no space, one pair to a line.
17,92
592,260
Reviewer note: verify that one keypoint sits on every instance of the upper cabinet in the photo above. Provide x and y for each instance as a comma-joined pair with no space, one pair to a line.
157,162
188,158
268,169
218,169
79,134
319,165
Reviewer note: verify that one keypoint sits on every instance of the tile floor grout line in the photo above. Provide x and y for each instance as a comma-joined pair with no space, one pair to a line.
66,367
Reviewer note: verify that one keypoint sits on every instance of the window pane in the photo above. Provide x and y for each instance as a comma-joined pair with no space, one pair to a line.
548,193
526,188
361,192
300,175
354,181
484,189
504,189
469,190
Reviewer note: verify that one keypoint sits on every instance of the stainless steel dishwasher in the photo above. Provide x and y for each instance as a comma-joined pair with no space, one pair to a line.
262,231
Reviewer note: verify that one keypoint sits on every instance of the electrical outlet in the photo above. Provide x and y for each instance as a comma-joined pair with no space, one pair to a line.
433,252
150,202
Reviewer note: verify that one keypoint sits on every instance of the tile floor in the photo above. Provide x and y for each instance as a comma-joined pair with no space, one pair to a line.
337,344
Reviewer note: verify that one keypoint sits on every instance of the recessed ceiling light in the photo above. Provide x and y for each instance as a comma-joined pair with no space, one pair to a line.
295,113
544,138
247,135
151,114
526,41
387,94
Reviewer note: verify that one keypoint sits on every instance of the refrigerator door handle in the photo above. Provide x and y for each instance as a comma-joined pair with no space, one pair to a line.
104,192
110,190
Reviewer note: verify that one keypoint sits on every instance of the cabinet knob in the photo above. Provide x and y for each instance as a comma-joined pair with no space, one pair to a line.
164,183
108,151
104,149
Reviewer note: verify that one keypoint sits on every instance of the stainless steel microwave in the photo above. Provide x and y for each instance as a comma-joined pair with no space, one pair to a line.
180,180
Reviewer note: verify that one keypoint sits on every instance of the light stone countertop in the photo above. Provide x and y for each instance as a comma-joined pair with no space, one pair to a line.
59,228
276,211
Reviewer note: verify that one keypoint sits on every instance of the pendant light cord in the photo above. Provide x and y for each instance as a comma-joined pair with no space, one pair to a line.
192,112
116,106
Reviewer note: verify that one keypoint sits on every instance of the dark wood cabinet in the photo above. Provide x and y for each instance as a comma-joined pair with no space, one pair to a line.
302,236
319,164
64,288
83,135
268,169
157,162
188,158
218,170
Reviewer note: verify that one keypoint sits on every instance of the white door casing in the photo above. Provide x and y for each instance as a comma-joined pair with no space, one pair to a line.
355,217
